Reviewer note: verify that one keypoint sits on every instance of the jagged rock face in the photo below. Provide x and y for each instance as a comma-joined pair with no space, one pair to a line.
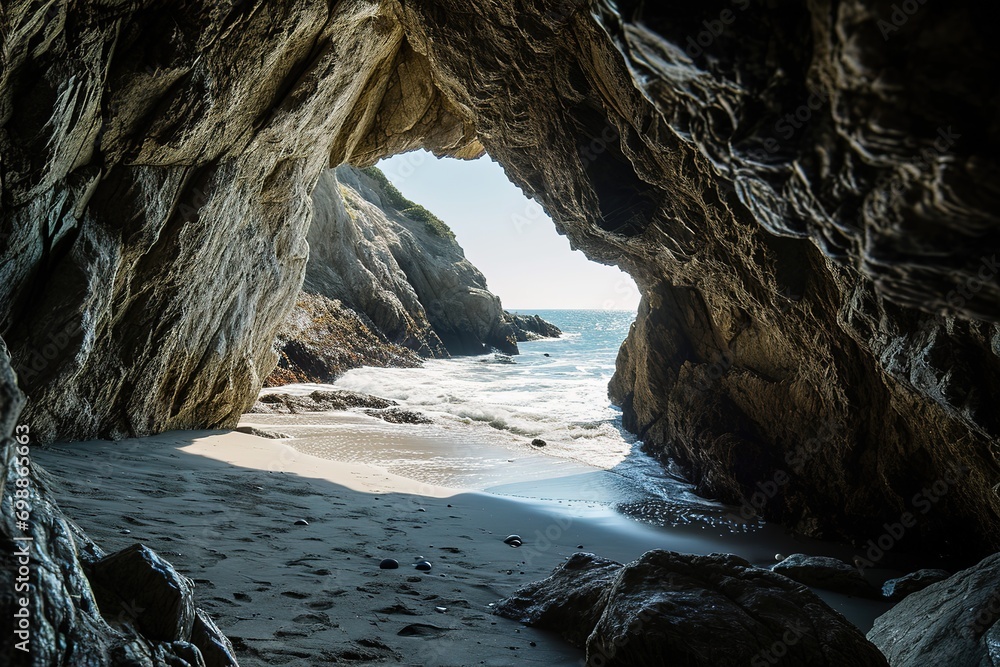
952,623
67,625
408,276
819,289
321,339
698,611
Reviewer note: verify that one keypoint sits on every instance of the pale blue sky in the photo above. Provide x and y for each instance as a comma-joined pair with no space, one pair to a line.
508,236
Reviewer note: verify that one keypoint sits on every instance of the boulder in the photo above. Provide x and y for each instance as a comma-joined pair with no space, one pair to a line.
952,623
318,401
897,589
827,573
697,611
569,602
215,647
136,587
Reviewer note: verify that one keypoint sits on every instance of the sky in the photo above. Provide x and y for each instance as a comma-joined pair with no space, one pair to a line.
508,236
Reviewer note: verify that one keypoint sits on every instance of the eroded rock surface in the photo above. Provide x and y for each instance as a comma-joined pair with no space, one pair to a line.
399,266
667,608
897,589
143,614
828,573
953,623
322,339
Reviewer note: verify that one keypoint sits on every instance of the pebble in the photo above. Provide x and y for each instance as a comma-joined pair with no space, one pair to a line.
389,564
301,522
537,442
423,566
579,546
513,538
440,610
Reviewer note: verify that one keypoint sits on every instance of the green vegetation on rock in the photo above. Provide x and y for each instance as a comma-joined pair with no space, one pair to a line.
411,210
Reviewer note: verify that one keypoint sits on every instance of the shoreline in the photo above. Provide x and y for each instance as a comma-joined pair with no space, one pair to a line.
222,507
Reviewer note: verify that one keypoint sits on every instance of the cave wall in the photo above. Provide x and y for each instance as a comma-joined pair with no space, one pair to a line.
826,283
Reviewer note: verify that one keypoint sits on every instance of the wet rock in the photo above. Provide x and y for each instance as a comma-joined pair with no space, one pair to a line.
262,433
538,442
423,566
952,623
389,564
318,401
321,339
532,327
897,589
215,647
400,416
178,654
828,573
136,587
301,522
570,601
512,539
711,611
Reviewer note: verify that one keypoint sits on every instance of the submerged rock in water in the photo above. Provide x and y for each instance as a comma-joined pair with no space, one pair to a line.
400,416
699,611
317,401
827,573
952,623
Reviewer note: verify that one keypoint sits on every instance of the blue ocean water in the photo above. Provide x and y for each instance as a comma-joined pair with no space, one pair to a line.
555,389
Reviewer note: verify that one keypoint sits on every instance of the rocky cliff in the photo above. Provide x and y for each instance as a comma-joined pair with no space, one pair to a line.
399,266
806,197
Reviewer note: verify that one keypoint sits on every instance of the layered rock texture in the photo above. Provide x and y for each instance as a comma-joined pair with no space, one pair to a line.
697,611
806,196
322,339
82,607
399,267
952,623
387,284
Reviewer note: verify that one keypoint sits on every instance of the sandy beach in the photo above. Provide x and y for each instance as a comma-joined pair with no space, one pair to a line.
223,507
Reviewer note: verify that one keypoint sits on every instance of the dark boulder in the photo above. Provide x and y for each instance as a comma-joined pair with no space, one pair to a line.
215,647
136,587
670,608
897,589
952,623
569,602
828,573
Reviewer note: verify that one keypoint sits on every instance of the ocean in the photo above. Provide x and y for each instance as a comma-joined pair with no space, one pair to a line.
556,389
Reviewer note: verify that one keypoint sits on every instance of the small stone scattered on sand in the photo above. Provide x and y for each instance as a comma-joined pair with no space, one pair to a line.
423,566
301,522
510,539
537,442
389,564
